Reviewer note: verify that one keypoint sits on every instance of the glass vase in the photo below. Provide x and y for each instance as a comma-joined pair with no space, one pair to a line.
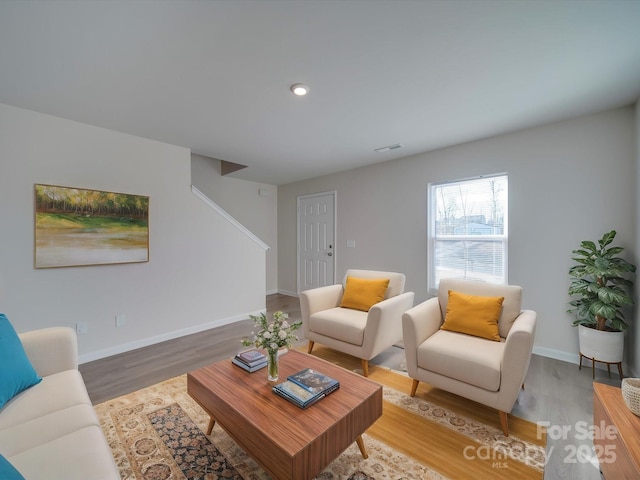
272,366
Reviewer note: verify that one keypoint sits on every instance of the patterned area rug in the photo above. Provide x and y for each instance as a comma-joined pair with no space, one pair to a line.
157,434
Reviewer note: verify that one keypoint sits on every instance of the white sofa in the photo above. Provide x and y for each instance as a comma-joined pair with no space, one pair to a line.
50,431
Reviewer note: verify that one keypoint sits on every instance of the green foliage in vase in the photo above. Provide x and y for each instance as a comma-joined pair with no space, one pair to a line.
600,284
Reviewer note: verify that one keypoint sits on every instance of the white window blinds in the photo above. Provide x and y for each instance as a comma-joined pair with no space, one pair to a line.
468,230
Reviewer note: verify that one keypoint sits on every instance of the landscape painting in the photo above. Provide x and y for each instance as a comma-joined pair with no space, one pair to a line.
79,227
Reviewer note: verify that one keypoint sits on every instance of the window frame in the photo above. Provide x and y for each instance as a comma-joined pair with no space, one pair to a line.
432,204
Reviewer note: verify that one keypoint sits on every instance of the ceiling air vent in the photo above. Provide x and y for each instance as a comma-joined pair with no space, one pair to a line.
388,148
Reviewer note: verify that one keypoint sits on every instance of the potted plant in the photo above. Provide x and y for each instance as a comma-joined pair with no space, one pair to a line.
600,284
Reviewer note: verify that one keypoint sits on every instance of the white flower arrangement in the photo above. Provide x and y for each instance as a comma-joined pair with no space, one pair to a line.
275,335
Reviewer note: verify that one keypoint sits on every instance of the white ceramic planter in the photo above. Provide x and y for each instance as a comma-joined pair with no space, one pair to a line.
603,346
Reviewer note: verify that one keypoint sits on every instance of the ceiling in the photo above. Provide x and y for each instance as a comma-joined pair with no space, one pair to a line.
214,76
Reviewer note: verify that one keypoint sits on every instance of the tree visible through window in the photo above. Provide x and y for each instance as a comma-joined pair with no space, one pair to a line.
468,230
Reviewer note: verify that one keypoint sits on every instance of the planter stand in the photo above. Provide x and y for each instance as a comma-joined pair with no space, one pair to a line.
593,365
601,346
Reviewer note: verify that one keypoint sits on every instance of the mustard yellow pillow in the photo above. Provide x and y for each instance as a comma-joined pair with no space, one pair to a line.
363,293
473,315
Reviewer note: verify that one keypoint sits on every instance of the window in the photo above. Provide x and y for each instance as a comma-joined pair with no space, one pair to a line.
468,230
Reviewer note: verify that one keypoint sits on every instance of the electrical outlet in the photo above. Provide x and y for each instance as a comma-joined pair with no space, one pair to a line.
82,328
351,244
121,320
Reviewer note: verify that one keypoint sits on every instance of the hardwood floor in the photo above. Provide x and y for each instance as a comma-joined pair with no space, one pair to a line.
555,392
124,373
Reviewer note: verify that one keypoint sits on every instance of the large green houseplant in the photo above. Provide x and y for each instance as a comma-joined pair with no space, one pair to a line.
601,284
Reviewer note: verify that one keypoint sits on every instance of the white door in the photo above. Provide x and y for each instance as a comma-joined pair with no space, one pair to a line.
316,240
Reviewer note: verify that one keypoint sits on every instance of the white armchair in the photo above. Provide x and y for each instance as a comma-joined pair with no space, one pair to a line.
363,334
485,371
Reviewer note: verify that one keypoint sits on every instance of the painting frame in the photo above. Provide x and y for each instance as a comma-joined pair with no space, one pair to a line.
78,227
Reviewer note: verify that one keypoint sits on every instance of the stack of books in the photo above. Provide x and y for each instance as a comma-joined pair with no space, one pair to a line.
306,387
250,360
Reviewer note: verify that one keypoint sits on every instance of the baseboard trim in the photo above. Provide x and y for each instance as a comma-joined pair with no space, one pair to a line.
286,292
575,359
557,354
145,342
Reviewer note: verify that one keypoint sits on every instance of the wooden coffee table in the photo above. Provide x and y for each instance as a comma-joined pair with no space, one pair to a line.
287,441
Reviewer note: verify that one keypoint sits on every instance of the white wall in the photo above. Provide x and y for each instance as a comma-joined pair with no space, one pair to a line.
202,271
633,337
253,204
568,181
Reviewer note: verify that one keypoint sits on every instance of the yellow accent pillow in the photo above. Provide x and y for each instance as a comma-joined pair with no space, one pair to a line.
473,315
363,293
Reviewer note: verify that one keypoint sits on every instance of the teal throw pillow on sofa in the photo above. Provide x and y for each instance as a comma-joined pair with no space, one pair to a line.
16,372
8,471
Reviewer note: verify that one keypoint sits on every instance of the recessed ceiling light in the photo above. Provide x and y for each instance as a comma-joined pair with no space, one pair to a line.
299,89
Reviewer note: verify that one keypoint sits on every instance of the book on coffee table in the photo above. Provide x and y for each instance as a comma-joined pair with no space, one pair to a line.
251,357
248,368
314,381
296,394
306,387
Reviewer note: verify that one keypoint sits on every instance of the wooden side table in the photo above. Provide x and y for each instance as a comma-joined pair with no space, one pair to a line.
616,434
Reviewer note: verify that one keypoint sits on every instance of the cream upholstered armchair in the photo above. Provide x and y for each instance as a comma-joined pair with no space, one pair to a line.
329,316
488,371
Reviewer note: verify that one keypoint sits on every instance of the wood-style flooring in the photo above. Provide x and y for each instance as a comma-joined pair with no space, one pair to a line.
130,371
556,392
